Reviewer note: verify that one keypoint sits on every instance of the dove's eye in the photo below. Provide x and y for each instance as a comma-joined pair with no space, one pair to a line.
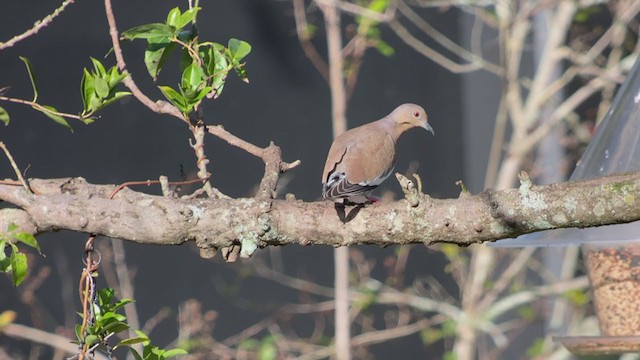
416,114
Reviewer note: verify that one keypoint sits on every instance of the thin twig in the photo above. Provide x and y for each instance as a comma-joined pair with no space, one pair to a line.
42,337
339,121
42,108
39,25
160,107
304,37
22,180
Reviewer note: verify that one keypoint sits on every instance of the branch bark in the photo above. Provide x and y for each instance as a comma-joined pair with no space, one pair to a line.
73,204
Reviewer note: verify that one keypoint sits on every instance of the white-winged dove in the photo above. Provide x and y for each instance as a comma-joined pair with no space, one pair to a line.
360,159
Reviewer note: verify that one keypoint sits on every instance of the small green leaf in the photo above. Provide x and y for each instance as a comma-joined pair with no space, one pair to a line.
187,17
87,90
102,88
536,349
90,340
32,77
242,73
147,31
173,17
116,96
27,239
135,354
384,48
55,117
99,68
174,97
174,352
192,77
78,329
18,265
156,55
4,116
12,227
105,296
238,49
131,341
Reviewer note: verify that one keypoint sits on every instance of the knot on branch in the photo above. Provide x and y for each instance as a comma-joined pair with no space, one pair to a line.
412,191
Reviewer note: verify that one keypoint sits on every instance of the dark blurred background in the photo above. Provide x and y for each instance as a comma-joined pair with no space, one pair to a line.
286,101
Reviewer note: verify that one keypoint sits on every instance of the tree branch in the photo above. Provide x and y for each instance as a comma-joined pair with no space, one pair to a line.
73,204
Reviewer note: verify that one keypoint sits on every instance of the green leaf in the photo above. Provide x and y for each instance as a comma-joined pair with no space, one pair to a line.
90,340
147,31
135,354
12,227
87,89
238,49
55,117
115,76
536,349
32,77
268,350
174,97
219,72
156,55
242,73
27,239
384,48
173,18
102,88
174,352
192,77
4,116
78,329
105,296
577,297
131,341
116,96
99,68
187,17
5,262
18,265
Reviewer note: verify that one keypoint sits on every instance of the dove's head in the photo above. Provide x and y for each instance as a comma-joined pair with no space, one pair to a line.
407,116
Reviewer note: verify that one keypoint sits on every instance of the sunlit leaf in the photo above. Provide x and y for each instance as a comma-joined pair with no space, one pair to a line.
156,55
174,97
102,88
27,239
98,67
238,49
18,266
174,352
32,77
55,117
147,31
173,17
4,116
187,17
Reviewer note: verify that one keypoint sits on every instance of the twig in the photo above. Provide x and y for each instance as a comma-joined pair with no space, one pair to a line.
16,170
219,131
43,337
447,43
37,26
430,53
354,9
42,108
304,37
202,162
160,106
339,121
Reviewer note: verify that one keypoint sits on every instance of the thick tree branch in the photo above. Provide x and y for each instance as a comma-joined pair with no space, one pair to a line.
73,204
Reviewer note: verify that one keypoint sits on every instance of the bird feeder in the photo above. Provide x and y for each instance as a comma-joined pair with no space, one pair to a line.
611,253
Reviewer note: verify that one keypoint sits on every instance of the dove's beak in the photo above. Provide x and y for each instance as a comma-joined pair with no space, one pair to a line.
428,127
